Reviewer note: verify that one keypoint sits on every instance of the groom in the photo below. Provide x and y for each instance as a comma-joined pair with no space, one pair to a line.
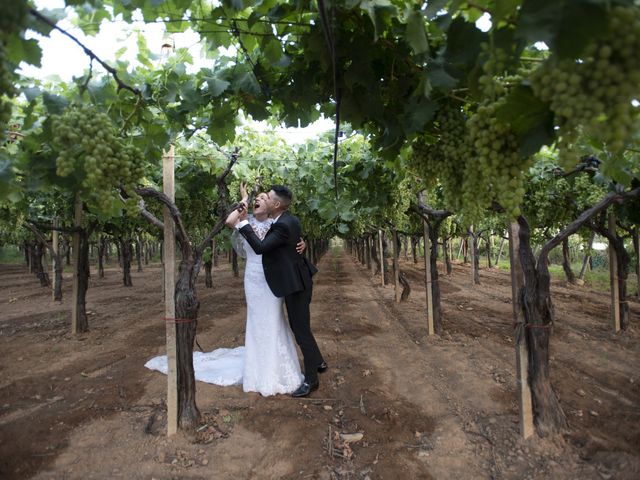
288,275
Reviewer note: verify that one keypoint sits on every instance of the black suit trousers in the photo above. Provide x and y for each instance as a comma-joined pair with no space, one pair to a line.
300,322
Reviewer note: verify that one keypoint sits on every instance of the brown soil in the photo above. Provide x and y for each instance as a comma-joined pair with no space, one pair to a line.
79,407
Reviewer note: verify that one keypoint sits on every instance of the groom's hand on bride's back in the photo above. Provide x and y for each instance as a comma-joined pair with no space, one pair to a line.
301,246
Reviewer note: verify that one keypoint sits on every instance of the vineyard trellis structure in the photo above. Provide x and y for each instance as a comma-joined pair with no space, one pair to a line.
448,127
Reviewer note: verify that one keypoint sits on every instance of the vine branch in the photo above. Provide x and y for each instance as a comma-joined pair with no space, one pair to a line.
181,233
93,56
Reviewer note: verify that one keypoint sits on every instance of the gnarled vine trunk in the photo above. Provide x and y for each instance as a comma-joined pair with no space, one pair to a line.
27,259
617,243
566,262
384,256
57,273
587,256
367,250
83,283
406,287
489,243
139,254
537,310
234,263
187,306
374,256
475,258
32,257
41,273
502,241
636,249
535,296
445,254
102,246
414,248
208,279
125,252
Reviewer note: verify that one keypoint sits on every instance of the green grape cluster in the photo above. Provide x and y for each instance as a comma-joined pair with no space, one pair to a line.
476,161
427,159
456,152
496,170
593,94
493,67
12,21
444,161
89,147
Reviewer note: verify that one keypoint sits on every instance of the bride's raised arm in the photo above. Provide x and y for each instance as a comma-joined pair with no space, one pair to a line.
233,217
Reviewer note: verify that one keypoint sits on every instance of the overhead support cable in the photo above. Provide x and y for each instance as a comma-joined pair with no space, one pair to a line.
327,28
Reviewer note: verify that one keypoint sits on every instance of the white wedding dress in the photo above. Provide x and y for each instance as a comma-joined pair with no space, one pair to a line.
268,361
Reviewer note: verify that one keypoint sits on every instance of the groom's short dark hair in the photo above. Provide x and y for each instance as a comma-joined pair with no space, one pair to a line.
284,193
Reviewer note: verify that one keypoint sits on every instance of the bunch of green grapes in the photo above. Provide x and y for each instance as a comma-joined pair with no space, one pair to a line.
594,92
496,170
88,146
444,161
456,152
493,67
426,160
12,21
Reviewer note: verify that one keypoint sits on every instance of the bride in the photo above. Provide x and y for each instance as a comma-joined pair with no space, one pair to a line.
268,361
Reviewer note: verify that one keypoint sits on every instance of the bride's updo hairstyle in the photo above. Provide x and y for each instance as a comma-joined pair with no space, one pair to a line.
284,195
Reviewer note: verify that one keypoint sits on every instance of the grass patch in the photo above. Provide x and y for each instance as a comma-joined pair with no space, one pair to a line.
11,254
598,278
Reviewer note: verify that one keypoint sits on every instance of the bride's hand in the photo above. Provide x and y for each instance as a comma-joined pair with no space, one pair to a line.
243,192
301,246
243,214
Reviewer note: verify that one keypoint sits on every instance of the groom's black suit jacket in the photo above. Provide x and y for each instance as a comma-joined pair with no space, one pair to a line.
285,270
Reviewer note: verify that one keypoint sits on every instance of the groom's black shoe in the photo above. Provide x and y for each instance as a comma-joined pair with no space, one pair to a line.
323,367
305,389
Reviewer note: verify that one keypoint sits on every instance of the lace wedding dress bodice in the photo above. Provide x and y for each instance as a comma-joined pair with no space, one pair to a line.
268,361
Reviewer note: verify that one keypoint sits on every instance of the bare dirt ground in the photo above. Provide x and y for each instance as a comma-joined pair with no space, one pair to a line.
80,407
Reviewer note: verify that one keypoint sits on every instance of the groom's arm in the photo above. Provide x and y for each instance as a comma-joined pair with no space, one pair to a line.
278,236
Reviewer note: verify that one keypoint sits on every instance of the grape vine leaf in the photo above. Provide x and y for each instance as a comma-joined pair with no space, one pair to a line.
216,85
539,20
502,9
530,119
54,104
439,77
20,50
463,42
419,112
375,10
415,34
581,23
566,26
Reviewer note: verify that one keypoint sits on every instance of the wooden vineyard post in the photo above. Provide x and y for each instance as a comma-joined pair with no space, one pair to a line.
472,255
367,251
77,223
522,351
55,247
636,247
381,255
169,245
613,277
372,243
427,277
396,266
